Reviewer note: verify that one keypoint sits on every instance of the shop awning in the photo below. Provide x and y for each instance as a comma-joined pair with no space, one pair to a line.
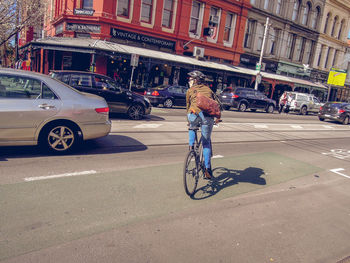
87,45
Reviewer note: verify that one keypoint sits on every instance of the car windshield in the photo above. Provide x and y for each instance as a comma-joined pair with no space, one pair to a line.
161,87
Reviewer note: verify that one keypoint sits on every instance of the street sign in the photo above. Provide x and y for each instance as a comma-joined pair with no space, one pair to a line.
336,77
134,60
258,66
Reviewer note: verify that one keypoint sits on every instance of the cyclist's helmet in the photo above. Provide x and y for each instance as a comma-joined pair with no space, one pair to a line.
197,75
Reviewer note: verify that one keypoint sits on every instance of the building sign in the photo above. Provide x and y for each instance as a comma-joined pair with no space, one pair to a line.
83,28
84,12
121,34
336,77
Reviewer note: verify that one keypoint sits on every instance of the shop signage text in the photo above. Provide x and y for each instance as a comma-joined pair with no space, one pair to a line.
121,34
84,12
83,28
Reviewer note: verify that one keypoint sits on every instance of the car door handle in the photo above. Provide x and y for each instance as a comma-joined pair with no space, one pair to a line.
46,106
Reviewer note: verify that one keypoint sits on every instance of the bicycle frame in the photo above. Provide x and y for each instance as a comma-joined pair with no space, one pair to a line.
198,149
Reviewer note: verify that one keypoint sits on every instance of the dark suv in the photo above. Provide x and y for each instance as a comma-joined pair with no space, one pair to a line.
119,100
246,98
167,95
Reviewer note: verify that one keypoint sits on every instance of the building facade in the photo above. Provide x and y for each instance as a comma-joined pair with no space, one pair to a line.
290,43
207,30
332,49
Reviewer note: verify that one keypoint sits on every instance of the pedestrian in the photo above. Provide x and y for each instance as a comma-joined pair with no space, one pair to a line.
196,116
282,102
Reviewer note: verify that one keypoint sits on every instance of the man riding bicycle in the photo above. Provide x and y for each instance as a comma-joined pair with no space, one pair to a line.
197,83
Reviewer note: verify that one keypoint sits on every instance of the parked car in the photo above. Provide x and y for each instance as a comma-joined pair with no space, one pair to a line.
119,100
36,109
246,98
168,95
337,111
303,103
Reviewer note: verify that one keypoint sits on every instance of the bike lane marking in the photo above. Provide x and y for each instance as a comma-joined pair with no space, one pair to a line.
29,179
337,171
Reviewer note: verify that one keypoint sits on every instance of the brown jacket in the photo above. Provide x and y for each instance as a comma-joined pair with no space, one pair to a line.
191,103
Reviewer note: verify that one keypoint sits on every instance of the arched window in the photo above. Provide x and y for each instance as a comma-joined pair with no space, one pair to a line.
342,24
278,7
306,13
315,17
335,21
296,10
326,24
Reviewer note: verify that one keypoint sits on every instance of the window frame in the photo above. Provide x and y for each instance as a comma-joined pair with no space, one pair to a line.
128,9
232,29
199,19
85,6
171,14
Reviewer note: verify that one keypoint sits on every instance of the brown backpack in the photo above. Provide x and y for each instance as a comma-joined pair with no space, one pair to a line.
207,105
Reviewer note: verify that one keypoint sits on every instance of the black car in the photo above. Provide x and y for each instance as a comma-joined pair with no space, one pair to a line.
336,111
119,100
246,98
167,95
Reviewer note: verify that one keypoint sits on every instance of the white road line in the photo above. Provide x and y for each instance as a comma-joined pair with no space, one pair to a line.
337,172
328,127
260,126
296,126
28,179
147,125
217,156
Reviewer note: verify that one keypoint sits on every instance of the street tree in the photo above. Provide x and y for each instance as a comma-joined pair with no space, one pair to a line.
18,15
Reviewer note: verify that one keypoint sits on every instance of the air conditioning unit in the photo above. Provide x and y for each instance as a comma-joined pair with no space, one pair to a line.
198,52
214,19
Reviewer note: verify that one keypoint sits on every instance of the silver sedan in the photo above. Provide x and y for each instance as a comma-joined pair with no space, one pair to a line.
36,109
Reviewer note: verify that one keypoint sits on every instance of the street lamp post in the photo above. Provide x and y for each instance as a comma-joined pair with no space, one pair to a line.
258,77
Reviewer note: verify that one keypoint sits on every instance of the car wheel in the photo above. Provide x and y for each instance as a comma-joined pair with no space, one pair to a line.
136,112
303,110
270,109
346,120
242,107
321,119
59,138
226,107
168,103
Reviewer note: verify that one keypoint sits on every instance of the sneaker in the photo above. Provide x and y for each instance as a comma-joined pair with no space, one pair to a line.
208,174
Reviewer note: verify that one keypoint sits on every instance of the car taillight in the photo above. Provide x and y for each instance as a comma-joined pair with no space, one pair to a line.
235,96
145,92
155,93
102,110
321,108
341,111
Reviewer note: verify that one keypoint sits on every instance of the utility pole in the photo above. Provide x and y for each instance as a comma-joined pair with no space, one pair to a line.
258,66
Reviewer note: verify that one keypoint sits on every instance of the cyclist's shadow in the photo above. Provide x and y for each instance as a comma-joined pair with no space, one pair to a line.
224,177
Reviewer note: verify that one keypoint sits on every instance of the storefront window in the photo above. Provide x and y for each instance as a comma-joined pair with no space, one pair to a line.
146,12
168,13
123,8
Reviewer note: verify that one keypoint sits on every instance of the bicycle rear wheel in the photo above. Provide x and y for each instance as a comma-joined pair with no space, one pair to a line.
190,175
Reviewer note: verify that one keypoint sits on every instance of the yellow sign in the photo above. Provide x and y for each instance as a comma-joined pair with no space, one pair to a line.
336,77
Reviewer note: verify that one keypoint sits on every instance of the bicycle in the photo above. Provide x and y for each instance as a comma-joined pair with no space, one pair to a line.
194,165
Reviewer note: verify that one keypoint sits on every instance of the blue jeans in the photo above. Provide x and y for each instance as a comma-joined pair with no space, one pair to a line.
207,127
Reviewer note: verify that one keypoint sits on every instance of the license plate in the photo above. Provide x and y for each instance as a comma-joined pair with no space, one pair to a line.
224,96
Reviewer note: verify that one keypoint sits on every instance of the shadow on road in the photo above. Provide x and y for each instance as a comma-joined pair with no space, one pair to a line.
105,145
225,177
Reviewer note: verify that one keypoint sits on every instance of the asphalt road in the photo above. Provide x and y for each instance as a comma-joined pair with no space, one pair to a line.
281,194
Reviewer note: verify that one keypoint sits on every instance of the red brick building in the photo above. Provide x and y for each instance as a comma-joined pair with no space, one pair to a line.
211,31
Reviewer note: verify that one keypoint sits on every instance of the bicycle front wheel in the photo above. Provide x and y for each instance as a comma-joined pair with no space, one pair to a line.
190,173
